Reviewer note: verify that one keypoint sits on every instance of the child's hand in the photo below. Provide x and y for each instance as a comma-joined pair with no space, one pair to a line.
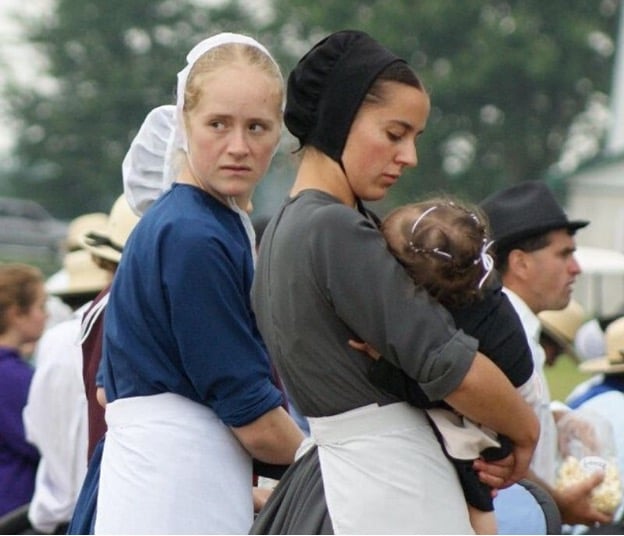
365,348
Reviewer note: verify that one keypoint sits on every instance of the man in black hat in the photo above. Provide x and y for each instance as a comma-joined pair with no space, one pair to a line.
534,255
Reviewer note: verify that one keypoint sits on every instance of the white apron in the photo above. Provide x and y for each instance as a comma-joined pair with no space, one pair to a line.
384,473
170,466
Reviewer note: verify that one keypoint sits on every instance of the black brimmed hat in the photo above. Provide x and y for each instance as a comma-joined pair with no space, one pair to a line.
525,210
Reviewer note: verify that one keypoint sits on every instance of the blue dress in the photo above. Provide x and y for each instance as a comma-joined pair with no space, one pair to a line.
179,320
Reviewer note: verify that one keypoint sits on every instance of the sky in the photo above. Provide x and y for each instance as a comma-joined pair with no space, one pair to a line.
16,58
21,61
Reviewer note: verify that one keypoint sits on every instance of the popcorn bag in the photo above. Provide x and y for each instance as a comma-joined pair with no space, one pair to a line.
586,445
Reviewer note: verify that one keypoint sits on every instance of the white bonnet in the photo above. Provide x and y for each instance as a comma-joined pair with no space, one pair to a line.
148,168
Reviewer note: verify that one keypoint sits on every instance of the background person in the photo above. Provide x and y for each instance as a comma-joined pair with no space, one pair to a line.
105,246
534,251
603,393
357,111
22,321
183,363
55,416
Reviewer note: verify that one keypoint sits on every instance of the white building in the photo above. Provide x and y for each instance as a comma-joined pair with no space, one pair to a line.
596,192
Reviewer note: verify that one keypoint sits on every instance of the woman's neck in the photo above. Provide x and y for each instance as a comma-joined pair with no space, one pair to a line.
319,172
9,340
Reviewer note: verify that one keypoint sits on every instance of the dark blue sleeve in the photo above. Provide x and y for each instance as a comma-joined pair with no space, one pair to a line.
215,332
495,324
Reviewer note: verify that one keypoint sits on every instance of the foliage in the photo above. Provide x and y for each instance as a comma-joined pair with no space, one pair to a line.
110,62
506,78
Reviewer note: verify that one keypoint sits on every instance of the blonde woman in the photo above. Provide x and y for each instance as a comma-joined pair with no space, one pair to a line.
190,395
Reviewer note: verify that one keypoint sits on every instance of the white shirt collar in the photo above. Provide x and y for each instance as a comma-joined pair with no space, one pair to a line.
530,321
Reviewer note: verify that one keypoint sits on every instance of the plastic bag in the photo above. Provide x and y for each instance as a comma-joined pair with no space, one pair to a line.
586,444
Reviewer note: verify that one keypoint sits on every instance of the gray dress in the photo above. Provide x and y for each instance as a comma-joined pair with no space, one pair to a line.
324,276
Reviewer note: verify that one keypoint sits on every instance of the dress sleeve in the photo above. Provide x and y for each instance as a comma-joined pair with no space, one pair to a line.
373,295
211,318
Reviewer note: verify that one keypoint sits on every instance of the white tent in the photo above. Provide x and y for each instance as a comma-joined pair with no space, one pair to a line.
600,261
601,284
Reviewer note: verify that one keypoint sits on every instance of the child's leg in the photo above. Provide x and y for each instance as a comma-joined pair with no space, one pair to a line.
482,522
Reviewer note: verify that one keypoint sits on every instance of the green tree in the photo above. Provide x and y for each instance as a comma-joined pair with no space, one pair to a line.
506,78
110,62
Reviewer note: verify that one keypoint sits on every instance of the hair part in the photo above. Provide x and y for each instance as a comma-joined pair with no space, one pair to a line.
442,252
19,286
399,72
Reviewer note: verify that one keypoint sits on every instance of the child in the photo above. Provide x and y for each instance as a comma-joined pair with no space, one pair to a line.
443,246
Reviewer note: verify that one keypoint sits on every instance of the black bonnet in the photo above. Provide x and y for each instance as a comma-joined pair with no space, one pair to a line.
328,85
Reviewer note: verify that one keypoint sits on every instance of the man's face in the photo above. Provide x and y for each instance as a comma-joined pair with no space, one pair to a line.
549,273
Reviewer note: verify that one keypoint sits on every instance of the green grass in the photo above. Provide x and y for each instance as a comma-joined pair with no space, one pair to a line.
563,377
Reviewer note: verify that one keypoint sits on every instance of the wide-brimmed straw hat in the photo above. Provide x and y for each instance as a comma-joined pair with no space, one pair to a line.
79,275
109,242
613,362
562,325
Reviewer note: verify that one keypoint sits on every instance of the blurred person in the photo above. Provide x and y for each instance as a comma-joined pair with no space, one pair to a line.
106,247
22,320
55,416
357,111
558,331
534,251
603,394
58,310
182,360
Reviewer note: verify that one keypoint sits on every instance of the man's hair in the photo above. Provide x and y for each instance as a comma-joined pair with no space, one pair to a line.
528,244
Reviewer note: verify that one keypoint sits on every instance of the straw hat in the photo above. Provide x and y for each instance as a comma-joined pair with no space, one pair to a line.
613,362
562,325
589,341
79,275
80,225
109,242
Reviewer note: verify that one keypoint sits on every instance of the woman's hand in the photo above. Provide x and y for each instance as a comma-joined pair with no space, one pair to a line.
365,348
500,474
495,474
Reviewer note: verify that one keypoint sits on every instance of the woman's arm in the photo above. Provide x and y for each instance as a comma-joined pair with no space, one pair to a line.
486,396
